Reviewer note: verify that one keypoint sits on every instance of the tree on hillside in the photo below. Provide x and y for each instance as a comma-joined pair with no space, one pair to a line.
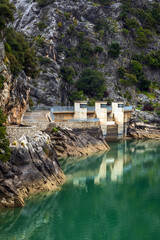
6,13
4,142
92,83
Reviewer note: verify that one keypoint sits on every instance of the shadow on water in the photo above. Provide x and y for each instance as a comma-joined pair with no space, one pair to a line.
108,196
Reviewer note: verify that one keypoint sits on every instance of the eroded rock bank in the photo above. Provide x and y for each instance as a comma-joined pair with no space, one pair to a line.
77,141
144,125
33,167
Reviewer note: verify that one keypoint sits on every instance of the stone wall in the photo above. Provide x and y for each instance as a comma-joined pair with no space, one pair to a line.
15,132
80,125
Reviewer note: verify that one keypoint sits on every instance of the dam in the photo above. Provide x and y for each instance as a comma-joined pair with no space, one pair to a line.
113,119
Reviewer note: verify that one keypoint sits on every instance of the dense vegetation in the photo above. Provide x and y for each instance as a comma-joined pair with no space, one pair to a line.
20,54
92,83
6,13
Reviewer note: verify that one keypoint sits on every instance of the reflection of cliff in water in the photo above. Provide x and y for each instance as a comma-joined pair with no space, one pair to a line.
105,211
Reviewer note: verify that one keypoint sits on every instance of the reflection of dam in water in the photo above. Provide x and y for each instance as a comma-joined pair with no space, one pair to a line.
96,212
109,166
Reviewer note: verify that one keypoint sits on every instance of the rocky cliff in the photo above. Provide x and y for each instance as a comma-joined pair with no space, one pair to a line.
15,91
120,39
33,167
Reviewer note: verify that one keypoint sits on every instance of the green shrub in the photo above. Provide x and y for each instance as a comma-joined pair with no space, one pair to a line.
68,73
142,37
146,17
20,54
4,142
126,31
101,24
39,41
2,79
92,83
41,25
128,96
98,49
114,50
129,80
153,59
76,95
55,129
67,15
15,66
43,3
59,24
131,23
136,68
6,13
86,52
121,71
104,2
143,83
44,60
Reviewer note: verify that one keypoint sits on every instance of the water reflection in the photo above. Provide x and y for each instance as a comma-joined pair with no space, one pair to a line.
109,165
117,198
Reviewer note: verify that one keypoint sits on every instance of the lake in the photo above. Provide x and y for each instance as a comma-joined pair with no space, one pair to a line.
107,196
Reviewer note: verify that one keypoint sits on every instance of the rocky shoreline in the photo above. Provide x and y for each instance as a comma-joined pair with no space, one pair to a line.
77,142
144,125
34,166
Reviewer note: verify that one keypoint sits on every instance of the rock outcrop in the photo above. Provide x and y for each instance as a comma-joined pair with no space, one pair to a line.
144,125
33,167
77,142
15,92
142,130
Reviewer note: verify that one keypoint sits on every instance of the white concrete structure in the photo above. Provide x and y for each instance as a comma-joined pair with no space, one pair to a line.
80,110
118,114
101,113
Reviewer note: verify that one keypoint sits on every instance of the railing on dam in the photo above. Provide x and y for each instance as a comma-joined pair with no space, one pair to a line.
86,120
89,108
63,109
128,108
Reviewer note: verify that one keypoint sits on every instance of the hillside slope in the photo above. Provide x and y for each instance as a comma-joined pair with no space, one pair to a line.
99,50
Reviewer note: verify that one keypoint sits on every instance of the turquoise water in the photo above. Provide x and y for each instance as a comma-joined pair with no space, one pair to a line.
109,196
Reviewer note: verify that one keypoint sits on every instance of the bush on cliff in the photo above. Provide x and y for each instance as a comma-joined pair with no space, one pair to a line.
92,83
114,50
4,142
6,13
20,53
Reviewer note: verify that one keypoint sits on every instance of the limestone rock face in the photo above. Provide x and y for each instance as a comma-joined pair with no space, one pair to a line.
15,92
142,130
33,167
77,142
148,128
62,20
